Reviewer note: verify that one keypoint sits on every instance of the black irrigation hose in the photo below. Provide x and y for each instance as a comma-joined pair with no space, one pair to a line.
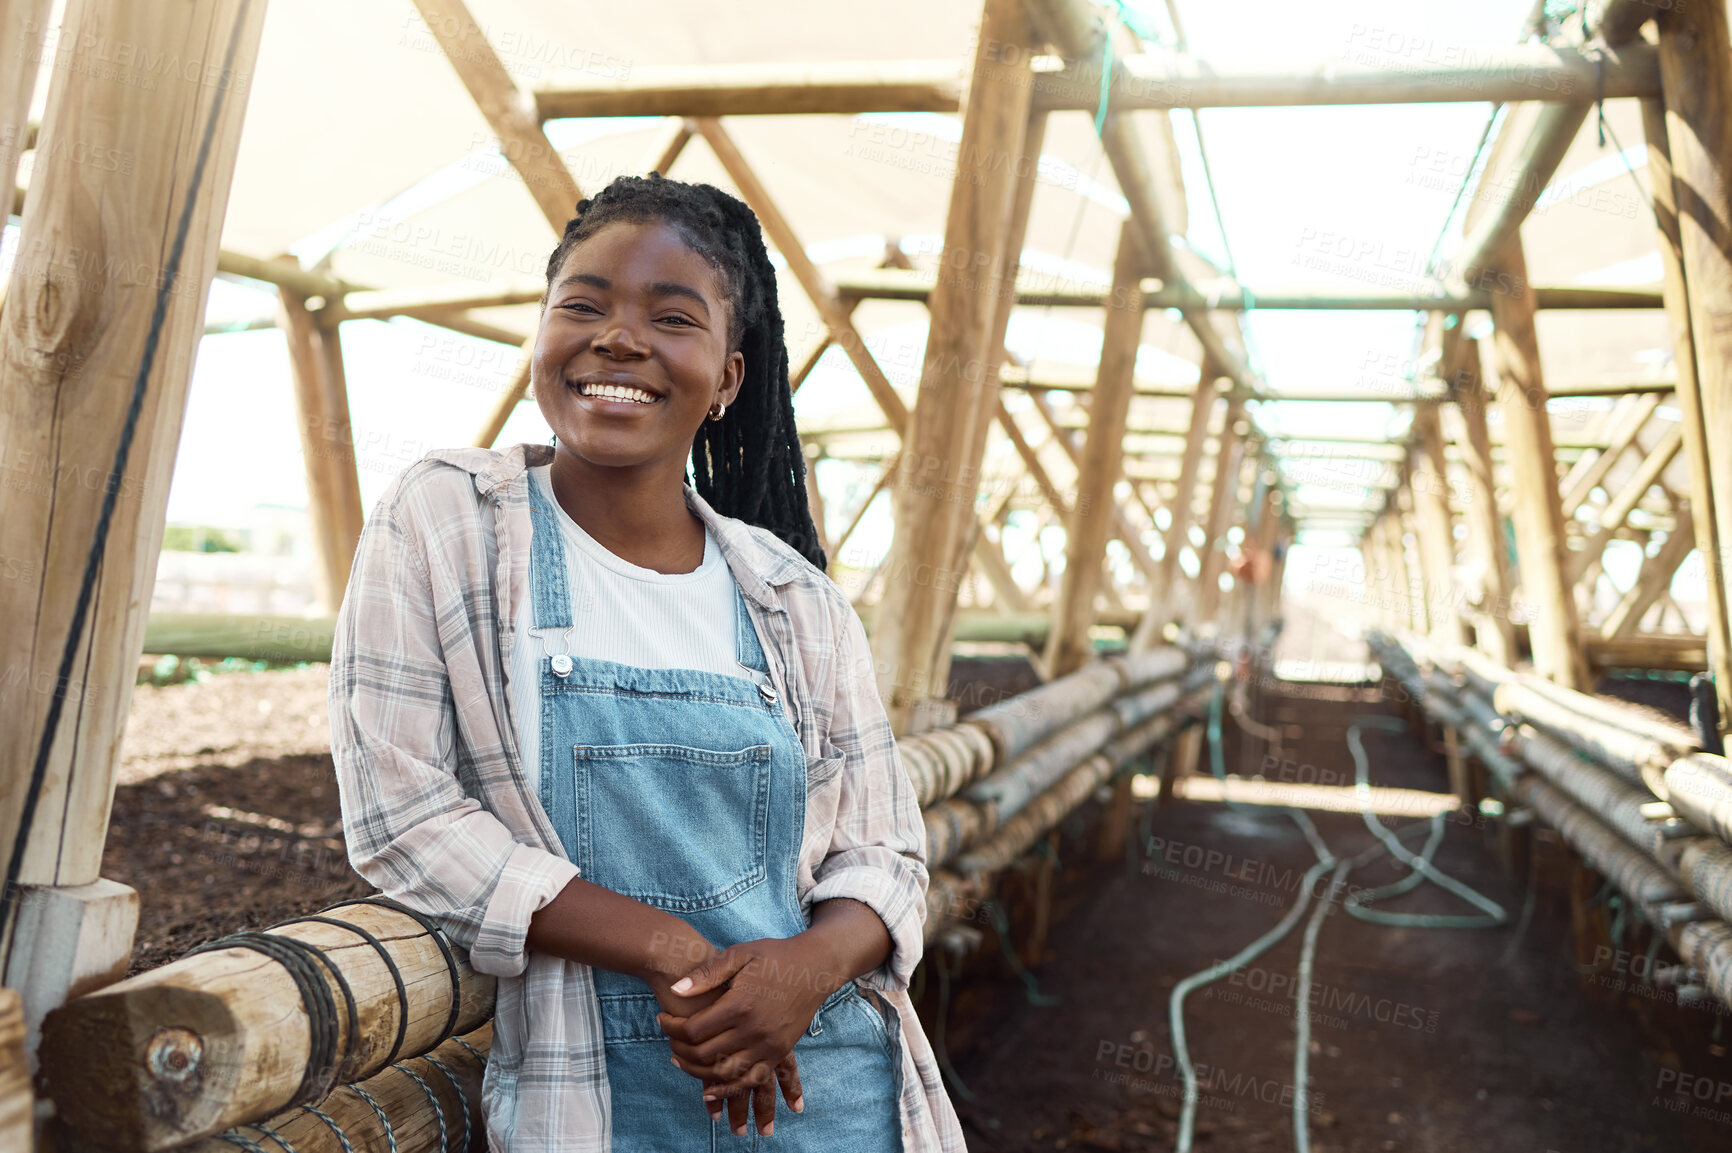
111,491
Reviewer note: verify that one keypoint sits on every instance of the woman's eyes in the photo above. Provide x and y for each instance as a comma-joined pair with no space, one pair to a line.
585,308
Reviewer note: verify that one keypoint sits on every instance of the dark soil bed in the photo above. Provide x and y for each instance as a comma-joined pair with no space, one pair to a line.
214,849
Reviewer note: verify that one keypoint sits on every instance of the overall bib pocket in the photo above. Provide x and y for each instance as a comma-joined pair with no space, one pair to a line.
652,798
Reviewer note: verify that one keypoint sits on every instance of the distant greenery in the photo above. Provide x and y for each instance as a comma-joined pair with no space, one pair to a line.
200,538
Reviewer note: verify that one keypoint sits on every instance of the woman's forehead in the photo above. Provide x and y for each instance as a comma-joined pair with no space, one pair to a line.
631,252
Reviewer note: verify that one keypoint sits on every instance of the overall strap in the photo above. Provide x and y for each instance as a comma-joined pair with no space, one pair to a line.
750,653
550,594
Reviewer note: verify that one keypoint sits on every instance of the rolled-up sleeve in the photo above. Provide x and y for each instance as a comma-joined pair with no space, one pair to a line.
411,827
877,853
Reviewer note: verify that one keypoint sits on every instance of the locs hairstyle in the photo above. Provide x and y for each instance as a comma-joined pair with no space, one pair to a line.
747,465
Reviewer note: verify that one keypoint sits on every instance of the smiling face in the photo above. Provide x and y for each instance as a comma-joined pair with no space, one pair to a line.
633,349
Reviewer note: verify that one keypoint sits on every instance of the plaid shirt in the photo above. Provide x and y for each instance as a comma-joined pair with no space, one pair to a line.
438,815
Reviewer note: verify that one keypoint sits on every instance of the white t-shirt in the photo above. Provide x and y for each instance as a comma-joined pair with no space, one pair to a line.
626,614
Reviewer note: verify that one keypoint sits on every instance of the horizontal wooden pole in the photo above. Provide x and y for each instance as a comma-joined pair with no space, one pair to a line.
1384,802
436,300
274,638
1364,73
423,1100
1051,292
221,1037
1652,651
835,87
305,282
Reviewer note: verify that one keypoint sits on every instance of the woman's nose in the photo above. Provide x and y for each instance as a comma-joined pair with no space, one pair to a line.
620,339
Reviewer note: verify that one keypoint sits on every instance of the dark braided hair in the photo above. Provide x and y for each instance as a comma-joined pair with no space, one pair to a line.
748,464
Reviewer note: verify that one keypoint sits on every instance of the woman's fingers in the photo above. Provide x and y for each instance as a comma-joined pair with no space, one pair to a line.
756,1094
738,1107
764,1108
713,973
788,1077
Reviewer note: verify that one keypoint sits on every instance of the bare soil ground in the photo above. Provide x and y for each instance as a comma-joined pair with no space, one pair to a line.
1425,1040
1422,1039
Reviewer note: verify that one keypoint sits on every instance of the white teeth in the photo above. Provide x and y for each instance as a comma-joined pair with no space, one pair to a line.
619,392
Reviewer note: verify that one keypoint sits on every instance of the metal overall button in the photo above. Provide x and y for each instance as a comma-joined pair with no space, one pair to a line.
769,694
561,665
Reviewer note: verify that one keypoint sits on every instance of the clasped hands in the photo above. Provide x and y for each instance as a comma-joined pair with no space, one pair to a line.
733,1018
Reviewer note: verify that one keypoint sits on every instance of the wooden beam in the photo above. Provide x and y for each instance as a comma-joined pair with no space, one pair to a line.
1223,495
94,370
23,24
509,113
1042,290
17,1101
1624,503
1124,529
1076,29
1538,513
1496,73
1430,484
1504,199
935,520
815,502
1654,578
1160,609
667,148
1697,451
859,514
1492,625
509,398
1016,229
831,310
286,273
1031,461
1141,81
1008,595
836,88
1092,519
327,446
1696,77
1590,471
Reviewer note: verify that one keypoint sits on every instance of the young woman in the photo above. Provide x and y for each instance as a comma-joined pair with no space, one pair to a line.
620,734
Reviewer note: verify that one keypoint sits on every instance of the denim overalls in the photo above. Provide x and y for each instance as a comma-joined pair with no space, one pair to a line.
687,790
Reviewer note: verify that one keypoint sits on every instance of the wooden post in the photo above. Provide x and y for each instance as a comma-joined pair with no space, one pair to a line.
1021,204
23,23
1092,520
327,442
1710,471
1461,371
510,113
1412,569
515,390
1430,484
17,1101
1538,513
94,368
1223,494
935,506
815,501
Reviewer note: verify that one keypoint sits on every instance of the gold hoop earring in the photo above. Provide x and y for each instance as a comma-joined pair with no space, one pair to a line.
718,410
